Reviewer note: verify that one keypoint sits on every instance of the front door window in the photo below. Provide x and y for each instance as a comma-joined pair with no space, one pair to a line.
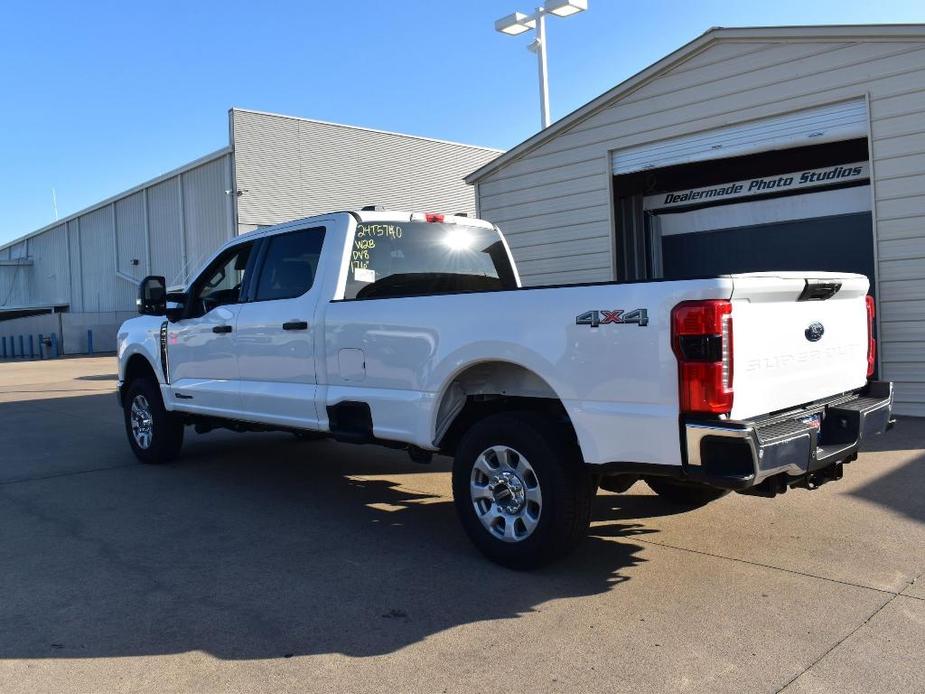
221,283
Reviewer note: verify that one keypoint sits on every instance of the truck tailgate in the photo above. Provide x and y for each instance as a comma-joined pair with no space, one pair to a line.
794,341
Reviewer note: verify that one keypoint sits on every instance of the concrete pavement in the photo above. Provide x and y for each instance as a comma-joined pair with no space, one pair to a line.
258,562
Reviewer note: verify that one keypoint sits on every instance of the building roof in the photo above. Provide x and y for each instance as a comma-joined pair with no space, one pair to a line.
859,32
359,127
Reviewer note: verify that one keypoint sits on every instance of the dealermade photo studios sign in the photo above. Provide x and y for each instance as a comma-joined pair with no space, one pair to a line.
812,178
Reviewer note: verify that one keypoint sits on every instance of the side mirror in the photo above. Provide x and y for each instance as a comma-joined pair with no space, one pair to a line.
176,306
152,296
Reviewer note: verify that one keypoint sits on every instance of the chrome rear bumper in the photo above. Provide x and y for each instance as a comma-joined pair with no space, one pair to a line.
802,447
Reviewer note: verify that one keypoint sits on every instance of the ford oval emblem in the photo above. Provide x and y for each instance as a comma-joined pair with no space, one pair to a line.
814,332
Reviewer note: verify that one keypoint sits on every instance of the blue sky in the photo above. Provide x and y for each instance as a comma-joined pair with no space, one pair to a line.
96,97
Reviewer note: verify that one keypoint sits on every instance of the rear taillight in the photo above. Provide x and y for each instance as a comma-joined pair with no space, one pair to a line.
701,337
433,217
871,342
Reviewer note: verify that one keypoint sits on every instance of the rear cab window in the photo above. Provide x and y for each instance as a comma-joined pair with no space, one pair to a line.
395,259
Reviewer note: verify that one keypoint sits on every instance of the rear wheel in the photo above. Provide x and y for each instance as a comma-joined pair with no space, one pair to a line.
521,491
154,434
684,494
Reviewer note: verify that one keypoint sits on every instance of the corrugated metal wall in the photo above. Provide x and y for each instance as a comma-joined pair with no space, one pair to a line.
75,297
131,249
205,214
553,202
49,266
98,279
93,261
15,282
288,168
15,278
165,224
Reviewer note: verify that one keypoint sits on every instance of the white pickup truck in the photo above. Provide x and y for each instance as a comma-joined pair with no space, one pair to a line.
413,330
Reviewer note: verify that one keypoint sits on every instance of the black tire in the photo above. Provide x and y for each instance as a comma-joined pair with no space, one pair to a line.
166,429
684,494
566,487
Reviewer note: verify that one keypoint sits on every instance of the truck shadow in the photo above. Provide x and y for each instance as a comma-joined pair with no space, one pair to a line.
903,488
256,546
259,546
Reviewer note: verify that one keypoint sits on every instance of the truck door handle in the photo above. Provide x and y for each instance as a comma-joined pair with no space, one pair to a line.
295,325
221,329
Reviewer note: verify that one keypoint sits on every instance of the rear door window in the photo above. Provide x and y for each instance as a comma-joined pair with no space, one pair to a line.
420,258
290,264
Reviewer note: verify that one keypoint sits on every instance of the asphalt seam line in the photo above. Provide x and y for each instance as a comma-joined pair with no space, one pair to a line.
847,636
769,566
837,644
21,480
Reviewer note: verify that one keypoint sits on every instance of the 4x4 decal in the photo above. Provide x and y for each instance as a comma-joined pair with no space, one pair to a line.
639,316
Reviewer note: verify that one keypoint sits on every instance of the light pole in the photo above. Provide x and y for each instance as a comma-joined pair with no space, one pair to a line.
518,23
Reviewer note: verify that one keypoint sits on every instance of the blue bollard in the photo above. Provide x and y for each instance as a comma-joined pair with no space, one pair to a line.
22,348
41,346
32,346
54,344
4,347
90,341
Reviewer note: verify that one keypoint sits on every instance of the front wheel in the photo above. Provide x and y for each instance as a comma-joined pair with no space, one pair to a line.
154,434
521,491
684,494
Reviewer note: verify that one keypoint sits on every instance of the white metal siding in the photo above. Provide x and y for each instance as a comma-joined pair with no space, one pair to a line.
130,235
205,219
562,184
19,250
288,168
164,225
75,299
15,284
98,280
49,267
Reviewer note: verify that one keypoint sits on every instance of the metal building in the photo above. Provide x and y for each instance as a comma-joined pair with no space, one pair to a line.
81,273
793,148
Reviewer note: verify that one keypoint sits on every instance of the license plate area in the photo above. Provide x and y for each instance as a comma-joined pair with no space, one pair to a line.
814,421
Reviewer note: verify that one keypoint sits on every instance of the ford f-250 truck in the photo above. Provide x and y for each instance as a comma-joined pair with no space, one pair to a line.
413,330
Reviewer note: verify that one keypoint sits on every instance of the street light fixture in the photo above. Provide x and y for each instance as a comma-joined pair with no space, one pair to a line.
514,24
565,8
518,23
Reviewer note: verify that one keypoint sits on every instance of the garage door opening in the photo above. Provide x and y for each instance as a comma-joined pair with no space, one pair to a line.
828,231
805,208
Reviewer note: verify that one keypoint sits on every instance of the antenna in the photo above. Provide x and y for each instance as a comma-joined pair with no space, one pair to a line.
54,203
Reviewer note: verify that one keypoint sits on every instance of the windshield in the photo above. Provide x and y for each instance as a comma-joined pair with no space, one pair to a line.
417,258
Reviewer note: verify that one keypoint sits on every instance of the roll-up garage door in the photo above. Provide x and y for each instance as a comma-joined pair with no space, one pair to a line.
842,121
